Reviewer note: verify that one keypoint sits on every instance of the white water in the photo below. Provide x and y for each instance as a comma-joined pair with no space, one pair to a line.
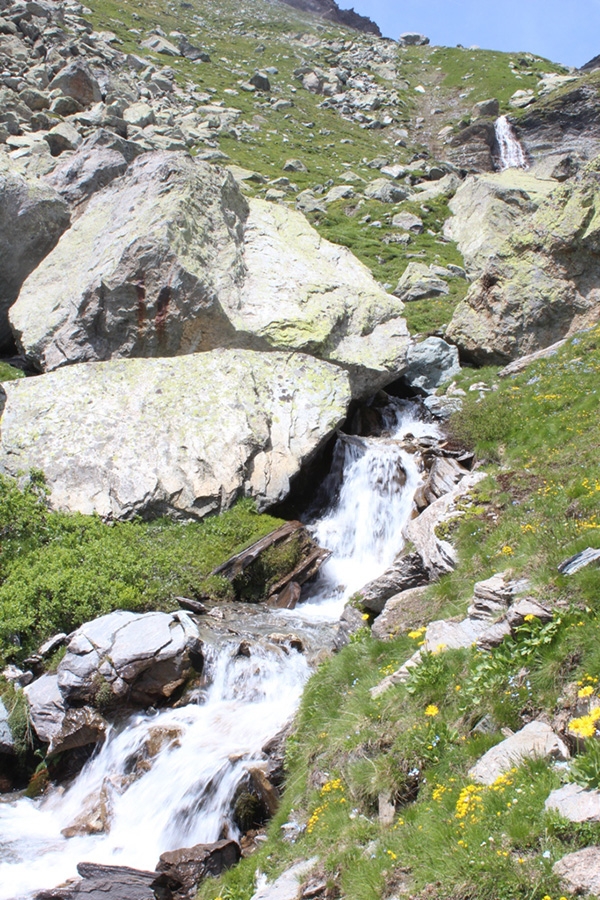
512,155
180,793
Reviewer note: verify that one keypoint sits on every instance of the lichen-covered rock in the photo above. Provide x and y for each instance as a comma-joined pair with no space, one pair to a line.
579,872
184,436
32,219
544,282
169,259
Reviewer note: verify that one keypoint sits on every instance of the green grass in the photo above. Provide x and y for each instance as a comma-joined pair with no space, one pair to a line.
59,570
9,373
450,838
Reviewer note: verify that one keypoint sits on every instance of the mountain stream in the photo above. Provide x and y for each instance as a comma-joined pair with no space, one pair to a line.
167,779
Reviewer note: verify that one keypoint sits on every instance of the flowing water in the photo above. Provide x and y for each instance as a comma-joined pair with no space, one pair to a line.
167,780
512,155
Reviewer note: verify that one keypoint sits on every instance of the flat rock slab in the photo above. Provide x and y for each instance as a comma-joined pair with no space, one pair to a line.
580,872
575,803
534,741
182,437
105,883
287,886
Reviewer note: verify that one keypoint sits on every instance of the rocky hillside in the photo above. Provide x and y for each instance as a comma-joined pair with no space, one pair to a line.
229,236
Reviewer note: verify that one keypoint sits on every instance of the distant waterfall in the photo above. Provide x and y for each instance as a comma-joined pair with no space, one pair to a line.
512,155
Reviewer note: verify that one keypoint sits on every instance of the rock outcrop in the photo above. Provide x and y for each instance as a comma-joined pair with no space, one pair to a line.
534,741
542,285
185,436
169,259
32,219
329,9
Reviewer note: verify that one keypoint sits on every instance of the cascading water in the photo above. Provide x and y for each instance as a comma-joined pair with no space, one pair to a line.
167,780
512,155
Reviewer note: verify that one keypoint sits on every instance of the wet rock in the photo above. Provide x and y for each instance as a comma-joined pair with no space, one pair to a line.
401,612
32,219
406,572
180,871
139,658
155,420
264,790
575,803
76,81
430,364
579,872
444,474
536,740
418,282
105,883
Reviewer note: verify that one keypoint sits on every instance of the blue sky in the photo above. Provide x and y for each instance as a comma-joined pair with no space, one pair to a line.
565,31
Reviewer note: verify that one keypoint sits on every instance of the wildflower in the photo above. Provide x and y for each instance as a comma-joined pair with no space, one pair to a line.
530,618
432,710
507,551
469,800
585,726
417,635
586,691
365,617
391,854
457,687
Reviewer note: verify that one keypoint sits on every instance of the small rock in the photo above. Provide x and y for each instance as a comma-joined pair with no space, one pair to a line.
339,192
62,137
386,191
579,872
261,82
536,740
418,282
487,109
575,803
579,561
139,114
294,165
412,39
160,45
408,222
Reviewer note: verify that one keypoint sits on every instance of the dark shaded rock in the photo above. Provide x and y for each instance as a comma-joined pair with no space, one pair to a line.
261,81
475,148
196,54
105,883
32,219
567,122
180,871
406,572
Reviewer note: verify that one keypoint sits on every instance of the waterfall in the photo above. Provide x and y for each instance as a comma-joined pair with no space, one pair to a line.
512,155
165,780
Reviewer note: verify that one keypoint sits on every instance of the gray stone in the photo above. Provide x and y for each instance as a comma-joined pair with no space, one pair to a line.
185,436
76,81
32,219
182,870
7,742
100,882
418,282
139,114
579,872
62,137
46,707
307,202
487,108
575,803
159,44
430,364
412,39
386,191
535,741
294,165
339,192
407,572
89,169
519,365
287,886
408,222
579,561
400,613
139,658
260,80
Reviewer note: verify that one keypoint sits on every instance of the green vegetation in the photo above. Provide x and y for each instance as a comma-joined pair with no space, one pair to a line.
59,570
9,373
415,743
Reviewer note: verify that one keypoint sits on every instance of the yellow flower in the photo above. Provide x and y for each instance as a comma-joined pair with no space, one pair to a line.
431,710
507,551
586,691
416,635
530,618
365,616
457,687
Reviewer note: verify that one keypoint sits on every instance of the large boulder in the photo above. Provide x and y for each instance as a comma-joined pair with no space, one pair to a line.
139,658
544,282
535,741
170,259
180,871
32,219
579,872
55,724
185,436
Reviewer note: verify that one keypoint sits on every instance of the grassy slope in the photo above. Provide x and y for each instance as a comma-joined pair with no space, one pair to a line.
538,432
277,35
